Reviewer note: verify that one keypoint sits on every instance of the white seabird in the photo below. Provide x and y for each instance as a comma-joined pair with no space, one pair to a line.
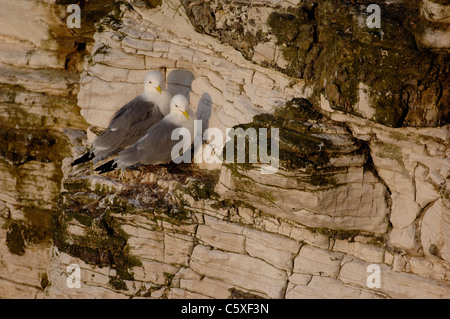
131,120
155,146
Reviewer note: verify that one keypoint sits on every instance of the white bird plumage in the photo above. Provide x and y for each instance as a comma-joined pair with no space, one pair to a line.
155,146
131,120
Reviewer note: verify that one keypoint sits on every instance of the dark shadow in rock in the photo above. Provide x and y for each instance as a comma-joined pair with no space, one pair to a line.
204,110
179,82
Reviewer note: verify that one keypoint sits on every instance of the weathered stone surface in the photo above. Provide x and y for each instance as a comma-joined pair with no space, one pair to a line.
326,288
435,231
311,195
225,236
240,271
364,251
403,237
177,293
226,241
363,151
396,285
307,41
40,61
317,261
206,286
275,250
404,210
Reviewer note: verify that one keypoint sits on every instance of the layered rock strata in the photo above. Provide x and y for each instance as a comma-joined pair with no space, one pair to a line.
364,157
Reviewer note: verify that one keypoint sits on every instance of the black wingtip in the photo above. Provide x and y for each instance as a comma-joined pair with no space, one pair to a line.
85,158
107,167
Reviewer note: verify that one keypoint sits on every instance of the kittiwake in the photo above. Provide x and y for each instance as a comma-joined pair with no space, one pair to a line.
155,146
131,120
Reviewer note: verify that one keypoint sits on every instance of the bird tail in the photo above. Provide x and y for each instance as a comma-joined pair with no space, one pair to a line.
86,157
107,167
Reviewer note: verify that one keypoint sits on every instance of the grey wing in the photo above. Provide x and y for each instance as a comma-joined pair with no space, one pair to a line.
154,147
127,125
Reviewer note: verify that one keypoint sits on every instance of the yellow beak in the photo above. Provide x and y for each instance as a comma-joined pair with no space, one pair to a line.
158,88
186,114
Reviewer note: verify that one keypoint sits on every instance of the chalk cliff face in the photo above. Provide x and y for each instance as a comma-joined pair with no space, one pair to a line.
364,155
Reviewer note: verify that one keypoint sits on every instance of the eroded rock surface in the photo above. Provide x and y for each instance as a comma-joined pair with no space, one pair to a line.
364,157
40,61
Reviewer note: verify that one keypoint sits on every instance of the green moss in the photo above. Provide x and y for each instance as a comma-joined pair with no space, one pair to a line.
397,136
239,294
44,280
114,18
232,204
87,189
178,215
99,28
101,50
146,292
267,195
21,145
117,283
377,240
346,234
104,242
326,45
39,224
101,190
284,26
349,235
113,227
299,144
37,229
119,204
153,3
391,151
168,279
203,188
340,234
321,179
295,34
386,63
123,263
14,239
298,109
76,185
81,218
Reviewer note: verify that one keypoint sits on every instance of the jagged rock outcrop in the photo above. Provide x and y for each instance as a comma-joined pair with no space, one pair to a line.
364,156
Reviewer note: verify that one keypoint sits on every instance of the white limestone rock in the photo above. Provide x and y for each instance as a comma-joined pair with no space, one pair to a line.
317,261
403,237
425,190
435,231
404,210
119,59
206,286
321,208
221,240
274,249
326,288
366,252
259,251
239,270
394,284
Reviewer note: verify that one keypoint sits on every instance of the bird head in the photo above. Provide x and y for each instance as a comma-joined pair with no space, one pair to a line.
152,82
179,103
